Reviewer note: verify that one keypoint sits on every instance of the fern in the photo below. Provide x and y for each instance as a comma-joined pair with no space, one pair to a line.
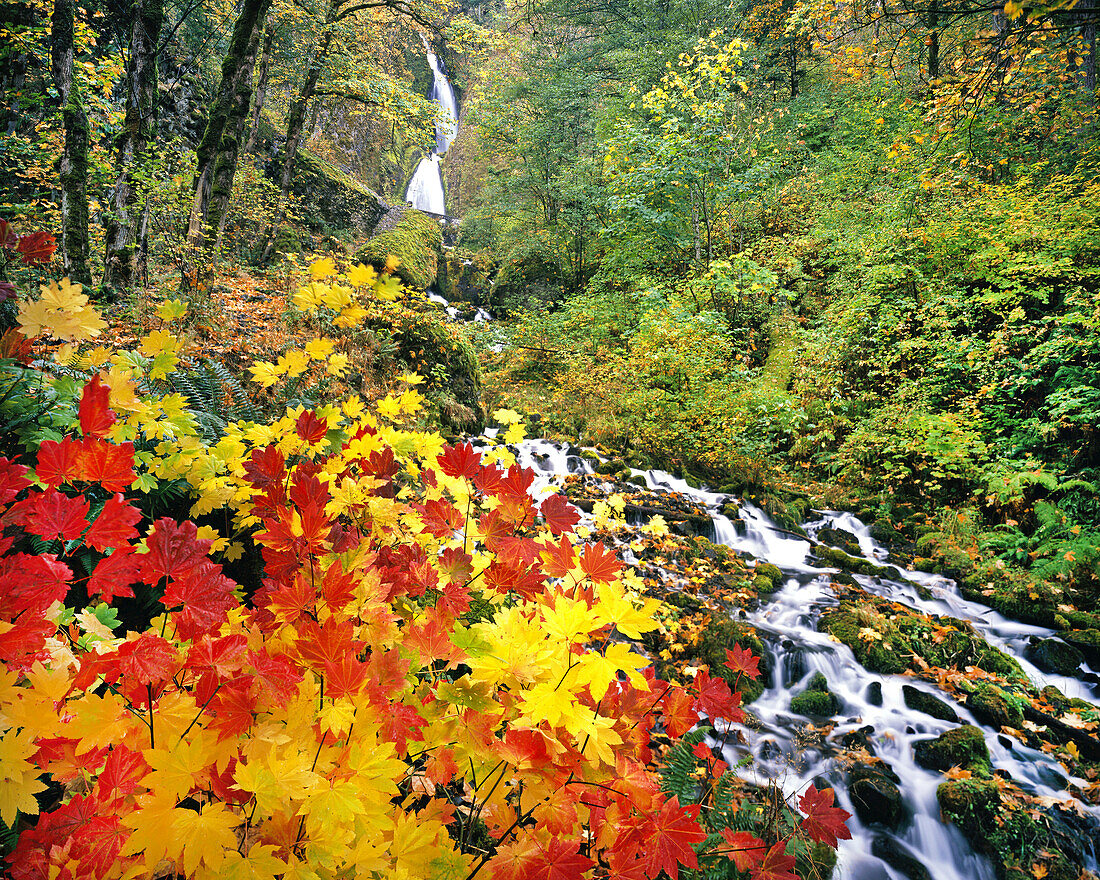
680,764
214,397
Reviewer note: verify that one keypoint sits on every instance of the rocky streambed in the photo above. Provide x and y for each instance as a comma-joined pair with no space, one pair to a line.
964,744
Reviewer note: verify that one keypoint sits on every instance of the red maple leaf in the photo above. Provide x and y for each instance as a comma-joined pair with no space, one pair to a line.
325,644
59,462
109,464
114,527
488,479
148,659
715,699
775,865
674,831
743,662
96,417
121,774
599,563
174,550
823,822
311,428
493,529
52,515
400,724
224,656
440,517
559,860
525,749
559,514
558,559
13,479
232,708
679,715
30,584
344,677
113,574
746,850
97,845
441,767
514,861
459,460
205,595
278,676
265,468
456,564
36,247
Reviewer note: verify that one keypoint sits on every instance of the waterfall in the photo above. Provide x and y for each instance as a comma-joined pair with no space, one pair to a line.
425,190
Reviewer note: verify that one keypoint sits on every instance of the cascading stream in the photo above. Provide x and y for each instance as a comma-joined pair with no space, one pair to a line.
787,625
425,190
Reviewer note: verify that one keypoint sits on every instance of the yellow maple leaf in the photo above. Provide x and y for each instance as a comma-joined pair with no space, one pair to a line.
322,268
171,309
203,838
265,373
18,776
63,311
362,276
319,349
507,417
388,288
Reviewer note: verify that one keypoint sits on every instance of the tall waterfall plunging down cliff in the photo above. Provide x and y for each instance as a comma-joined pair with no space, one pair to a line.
425,190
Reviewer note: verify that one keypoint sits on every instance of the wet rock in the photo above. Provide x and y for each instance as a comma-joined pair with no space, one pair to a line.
1054,655
770,750
875,795
794,665
841,538
920,701
899,857
992,706
847,562
874,693
817,699
1087,641
859,739
1011,836
961,747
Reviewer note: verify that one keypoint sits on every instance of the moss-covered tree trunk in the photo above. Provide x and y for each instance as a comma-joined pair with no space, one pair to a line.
125,224
231,104
74,156
259,94
229,150
295,123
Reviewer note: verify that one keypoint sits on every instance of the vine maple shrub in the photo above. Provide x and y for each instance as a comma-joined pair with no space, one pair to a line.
435,679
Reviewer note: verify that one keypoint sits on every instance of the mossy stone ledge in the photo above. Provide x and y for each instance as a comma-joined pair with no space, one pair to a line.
414,239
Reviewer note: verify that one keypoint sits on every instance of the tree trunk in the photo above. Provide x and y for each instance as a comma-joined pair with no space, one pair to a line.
792,60
1088,33
933,41
229,149
74,158
295,125
260,92
125,225
234,96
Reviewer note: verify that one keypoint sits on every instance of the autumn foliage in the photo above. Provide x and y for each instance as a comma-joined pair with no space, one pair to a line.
436,677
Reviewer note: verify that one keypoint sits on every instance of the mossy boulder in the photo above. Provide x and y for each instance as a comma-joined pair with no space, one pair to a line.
898,857
960,747
841,538
1009,835
411,236
993,706
837,558
1054,655
920,701
336,200
768,578
1087,641
875,795
875,650
817,700
464,276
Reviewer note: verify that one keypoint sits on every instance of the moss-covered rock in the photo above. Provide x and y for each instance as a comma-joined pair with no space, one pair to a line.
464,276
1087,641
817,700
961,747
875,650
335,199
1009,835
414,238
836,557
899,858
994,706
771,574
917,699
1054,655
